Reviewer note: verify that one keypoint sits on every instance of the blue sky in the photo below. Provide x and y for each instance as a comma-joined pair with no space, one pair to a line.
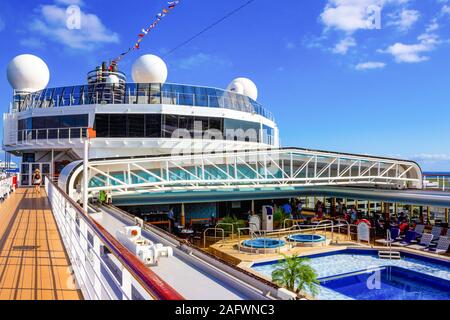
332,81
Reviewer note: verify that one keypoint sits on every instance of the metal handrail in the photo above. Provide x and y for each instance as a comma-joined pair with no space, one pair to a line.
295,222
226,224
150,282
339,226
26,135
215,234
326,223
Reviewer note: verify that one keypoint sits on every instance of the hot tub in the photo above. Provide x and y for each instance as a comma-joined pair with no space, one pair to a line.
262,245
307,240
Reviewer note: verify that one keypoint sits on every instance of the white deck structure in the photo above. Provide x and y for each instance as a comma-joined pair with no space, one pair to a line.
242,170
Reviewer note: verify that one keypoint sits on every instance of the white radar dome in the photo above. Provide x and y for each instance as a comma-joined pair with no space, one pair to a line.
244,86
28,73
149,69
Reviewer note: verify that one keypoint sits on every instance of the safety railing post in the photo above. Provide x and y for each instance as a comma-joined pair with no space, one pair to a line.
127,286
97,267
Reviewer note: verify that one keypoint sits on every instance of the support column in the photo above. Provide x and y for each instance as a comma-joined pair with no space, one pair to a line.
428,216
333,207
253,207
446,215
183,216
368,208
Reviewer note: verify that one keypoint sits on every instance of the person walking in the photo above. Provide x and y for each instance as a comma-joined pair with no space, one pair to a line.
37,181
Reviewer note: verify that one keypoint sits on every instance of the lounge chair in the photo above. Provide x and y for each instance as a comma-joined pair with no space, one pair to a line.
410,238
395,234
419,229
436,232
442,246
425,242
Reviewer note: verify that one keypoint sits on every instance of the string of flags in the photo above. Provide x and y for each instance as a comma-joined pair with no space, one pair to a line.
145,31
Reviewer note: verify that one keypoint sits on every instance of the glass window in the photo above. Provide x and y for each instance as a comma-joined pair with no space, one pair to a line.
40,122
216,124
201,125
117,125
153,125
170,125
186,122
236,130
136,125
51,123
101,125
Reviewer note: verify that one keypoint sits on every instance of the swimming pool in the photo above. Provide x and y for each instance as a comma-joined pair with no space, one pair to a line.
349,261
389,283
307,240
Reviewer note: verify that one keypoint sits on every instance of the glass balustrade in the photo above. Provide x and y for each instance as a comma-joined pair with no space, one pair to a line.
132,93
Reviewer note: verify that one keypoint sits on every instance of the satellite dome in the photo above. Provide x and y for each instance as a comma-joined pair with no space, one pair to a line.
149,69
28,73
244,86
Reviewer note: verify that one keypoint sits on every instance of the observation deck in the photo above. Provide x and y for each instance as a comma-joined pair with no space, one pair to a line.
139,93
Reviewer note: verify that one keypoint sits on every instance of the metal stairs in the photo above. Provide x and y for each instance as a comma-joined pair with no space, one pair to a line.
389,255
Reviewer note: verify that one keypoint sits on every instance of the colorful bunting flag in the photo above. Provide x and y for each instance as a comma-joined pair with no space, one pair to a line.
145,32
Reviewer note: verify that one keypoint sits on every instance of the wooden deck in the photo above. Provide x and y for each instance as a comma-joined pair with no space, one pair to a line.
33,262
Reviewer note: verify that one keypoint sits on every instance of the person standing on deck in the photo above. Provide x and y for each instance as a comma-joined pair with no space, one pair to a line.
37,181
171,217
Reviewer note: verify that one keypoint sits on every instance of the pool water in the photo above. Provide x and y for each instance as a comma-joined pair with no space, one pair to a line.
307,238
390,283
350,261
262,243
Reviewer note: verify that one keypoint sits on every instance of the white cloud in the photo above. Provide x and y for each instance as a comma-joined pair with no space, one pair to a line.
445,9
413,53
352,15
344,45
405,19
202,59
51,24
433,26
32,42
370,65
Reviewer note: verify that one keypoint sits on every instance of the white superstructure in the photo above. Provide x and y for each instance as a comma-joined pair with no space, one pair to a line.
47,126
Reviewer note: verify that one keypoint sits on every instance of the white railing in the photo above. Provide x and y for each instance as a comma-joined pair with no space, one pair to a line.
103,268
6,187
30,136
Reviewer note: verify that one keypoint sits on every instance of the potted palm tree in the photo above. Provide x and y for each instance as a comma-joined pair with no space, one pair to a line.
296,275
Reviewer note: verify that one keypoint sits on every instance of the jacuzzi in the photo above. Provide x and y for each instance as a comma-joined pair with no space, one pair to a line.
263,245
307,240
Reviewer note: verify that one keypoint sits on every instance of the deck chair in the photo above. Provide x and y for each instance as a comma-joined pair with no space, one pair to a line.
410,238
425,242
442,246
436,232
419,229
395,234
